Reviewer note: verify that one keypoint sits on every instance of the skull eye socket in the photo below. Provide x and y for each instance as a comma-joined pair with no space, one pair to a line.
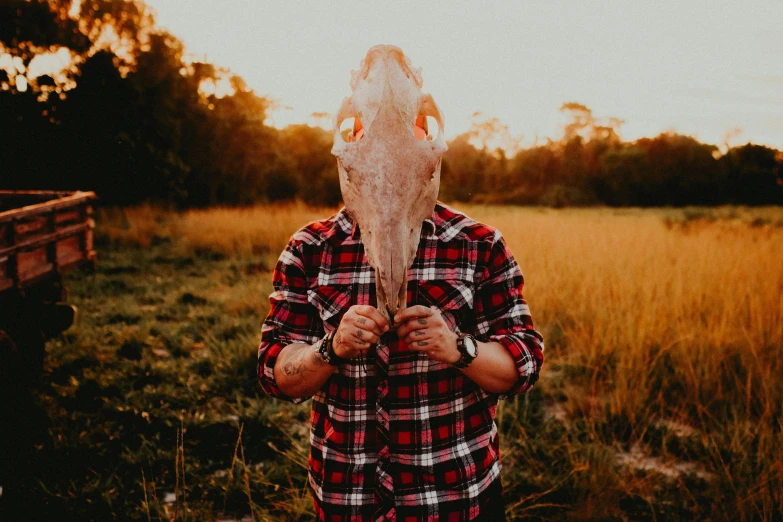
351,130
426,128
432,128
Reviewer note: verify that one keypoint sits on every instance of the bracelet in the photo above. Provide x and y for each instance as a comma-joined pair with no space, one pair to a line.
326,351
334,359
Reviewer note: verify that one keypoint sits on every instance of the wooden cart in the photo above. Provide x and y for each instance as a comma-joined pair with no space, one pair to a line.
42,234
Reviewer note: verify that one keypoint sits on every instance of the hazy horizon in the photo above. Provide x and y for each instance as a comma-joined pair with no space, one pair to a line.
702,69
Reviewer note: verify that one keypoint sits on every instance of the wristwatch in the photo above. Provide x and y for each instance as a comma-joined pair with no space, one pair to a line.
325,349
468,348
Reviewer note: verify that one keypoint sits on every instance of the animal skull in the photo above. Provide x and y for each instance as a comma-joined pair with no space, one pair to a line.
389,178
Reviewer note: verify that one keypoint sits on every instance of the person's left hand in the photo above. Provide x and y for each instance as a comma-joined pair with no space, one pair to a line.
425,330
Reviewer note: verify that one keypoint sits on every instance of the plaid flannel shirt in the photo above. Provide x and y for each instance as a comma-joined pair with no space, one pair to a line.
410,438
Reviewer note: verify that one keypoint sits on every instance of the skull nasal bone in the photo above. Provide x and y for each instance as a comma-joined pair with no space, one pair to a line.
419,130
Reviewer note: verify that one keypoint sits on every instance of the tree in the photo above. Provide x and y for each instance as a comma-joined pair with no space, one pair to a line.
132,118
580,123
312,164
29,28
755,175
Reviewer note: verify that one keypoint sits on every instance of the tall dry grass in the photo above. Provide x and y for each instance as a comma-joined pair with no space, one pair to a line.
649,316
244,231
657,317
626,290
222,230
134,226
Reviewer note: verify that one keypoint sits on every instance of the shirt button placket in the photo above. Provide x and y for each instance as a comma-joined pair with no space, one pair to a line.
384,485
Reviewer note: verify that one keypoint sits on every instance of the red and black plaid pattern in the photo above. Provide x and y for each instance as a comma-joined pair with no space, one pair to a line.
409,438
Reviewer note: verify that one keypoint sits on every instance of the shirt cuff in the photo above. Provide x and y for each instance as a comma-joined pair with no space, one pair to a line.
527,350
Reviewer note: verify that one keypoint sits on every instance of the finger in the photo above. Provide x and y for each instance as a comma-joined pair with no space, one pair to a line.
365,323
342,346
418,311
353,336
421,346
353,319
411,340
418,335
407,327
362,345
364,336
375,317
357,344
419,323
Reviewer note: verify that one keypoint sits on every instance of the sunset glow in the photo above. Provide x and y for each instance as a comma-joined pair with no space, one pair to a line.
700,68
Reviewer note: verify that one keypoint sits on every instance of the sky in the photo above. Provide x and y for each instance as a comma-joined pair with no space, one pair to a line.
709,69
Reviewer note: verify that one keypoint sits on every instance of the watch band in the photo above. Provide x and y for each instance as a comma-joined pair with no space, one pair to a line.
466,357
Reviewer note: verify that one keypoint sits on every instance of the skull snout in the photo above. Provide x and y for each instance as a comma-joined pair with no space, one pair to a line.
391,252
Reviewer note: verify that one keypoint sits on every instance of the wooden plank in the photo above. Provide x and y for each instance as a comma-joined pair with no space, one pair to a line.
41,275
4,234
51,248
55,204
33,264
68,216
11,271
42,193
69,250
40,241
5,281
30,225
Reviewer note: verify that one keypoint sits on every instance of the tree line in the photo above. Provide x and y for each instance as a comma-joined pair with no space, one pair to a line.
133,118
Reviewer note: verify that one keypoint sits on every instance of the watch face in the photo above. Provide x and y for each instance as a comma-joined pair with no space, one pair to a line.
470,346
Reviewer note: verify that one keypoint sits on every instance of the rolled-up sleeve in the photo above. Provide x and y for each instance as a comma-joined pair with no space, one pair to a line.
502,315
292,318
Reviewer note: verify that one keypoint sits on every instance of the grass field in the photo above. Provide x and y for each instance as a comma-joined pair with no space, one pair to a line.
660,397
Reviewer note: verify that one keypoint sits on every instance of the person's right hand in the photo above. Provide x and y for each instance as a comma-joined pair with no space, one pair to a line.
360,328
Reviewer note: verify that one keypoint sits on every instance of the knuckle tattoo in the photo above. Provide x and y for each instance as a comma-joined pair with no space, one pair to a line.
422,321
422,343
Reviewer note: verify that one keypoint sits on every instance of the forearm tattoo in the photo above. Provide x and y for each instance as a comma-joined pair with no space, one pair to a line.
297,363
292,368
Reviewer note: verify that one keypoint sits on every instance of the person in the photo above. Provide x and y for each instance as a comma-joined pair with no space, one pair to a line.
403,410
